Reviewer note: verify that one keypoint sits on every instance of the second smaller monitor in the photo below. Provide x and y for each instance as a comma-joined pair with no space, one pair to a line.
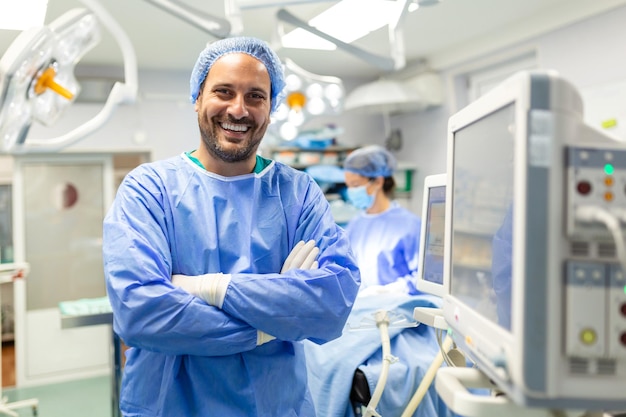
430,273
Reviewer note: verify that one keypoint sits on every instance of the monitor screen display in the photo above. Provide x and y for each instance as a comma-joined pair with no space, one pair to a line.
481,238
430,277
435,233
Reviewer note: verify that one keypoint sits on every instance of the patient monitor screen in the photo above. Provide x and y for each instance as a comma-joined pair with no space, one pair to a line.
435,229
481,239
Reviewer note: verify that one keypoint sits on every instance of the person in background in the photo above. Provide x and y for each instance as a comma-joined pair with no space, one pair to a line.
384,236
211,282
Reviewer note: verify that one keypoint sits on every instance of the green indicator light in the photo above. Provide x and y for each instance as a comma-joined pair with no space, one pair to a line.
624,289
608,169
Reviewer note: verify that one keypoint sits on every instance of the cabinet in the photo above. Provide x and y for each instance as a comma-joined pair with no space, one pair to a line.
335,156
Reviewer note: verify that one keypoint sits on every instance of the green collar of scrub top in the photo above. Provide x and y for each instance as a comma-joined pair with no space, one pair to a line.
260,165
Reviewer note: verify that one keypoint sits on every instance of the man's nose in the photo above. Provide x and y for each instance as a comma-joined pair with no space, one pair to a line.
238,108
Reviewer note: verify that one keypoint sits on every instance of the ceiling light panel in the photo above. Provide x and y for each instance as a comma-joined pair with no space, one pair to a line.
347,21
22,14
350,20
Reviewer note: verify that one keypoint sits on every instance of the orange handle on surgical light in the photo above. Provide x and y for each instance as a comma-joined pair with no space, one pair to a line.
47,81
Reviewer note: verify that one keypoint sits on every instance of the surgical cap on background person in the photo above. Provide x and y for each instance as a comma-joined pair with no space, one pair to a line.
247,45
371,161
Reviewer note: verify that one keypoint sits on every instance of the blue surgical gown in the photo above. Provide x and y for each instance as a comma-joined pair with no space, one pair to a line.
187,358
386,246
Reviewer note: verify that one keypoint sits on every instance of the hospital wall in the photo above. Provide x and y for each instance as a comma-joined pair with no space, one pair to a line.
163,122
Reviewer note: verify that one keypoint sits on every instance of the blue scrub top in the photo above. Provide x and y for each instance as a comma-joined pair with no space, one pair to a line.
187,358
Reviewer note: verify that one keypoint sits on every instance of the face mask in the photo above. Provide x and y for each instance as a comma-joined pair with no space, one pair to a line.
359,197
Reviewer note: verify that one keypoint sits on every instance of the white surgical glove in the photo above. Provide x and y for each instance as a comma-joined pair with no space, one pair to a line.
210,287
302,256
262,337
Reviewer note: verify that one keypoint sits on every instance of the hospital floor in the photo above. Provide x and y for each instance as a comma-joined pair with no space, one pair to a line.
86,397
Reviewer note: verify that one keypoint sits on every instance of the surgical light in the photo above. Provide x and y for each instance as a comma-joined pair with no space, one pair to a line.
306,95
384,96
293,82
37,79
281,112
314,90
316,106
333,92
46,80
296,117
296,101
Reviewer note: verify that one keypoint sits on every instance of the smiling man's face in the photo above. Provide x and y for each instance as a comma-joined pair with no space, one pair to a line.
234,107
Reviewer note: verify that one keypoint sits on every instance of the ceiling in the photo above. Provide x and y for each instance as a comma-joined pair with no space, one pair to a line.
440,35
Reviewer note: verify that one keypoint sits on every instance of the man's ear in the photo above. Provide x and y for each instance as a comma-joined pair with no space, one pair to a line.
196,105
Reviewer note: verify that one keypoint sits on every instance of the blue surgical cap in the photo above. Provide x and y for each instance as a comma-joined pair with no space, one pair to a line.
252,46
371,161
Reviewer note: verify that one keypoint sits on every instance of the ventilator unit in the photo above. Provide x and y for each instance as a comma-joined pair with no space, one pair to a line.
534,256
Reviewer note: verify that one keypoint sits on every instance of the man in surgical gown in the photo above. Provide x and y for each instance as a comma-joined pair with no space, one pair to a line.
211,284
384,235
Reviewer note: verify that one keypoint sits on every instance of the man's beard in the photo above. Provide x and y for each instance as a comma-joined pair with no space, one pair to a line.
242,152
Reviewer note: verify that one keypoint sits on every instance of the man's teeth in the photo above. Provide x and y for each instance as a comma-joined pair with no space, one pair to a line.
236,128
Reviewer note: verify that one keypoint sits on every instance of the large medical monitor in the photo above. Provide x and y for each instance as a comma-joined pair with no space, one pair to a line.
529,266
432,236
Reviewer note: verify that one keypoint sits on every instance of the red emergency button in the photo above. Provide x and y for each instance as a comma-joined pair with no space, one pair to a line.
584,187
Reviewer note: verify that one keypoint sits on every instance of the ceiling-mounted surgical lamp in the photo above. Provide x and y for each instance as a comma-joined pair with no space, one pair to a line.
384,96
389,97
37,80
306,95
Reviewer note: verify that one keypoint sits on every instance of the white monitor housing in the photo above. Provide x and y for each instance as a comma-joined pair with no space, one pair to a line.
535,292
432,236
